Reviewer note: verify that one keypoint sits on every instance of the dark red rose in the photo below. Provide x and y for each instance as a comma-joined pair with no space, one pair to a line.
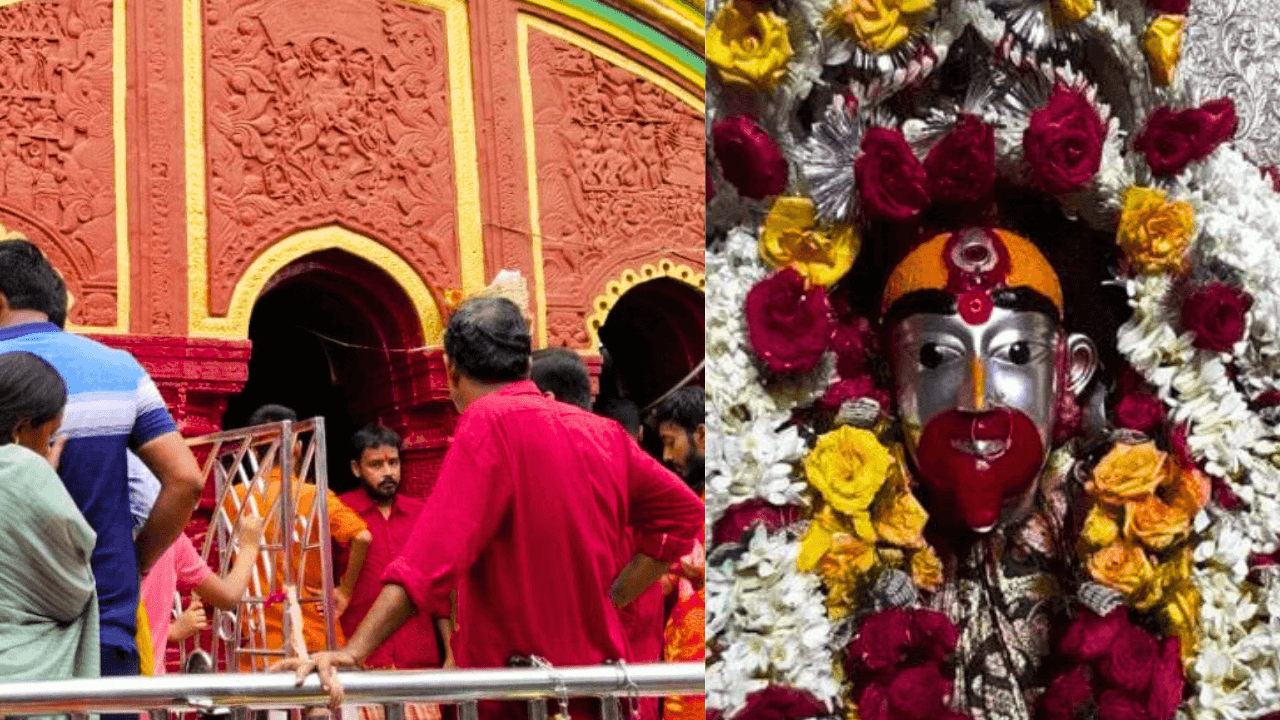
789,327
918,693
749,158
1068,696
873,703
887,638
1221,123
1141,411
1172,140
962,166
1216,314
740,518
842,391
1119,705
1166,682
881,641
1224,496
1063,142
892,183
1268,399
1130,661
779,702
1089,637
1169,7
852,343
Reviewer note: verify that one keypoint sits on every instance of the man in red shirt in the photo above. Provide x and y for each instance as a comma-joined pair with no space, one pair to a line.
527,521
375,452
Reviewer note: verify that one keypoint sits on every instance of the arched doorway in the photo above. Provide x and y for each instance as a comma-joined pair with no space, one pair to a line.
325,332
654,336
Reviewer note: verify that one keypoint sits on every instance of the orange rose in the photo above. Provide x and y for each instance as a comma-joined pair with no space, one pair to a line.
1155,524
1123,567
1129,472
926,569
1191,489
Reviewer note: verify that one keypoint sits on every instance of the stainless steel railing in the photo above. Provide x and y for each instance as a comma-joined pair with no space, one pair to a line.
264,691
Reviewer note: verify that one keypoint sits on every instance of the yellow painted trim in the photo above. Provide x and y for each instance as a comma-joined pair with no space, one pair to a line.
626,36
306,242
523,23
119,90
615,289
465,158
675,17
531,169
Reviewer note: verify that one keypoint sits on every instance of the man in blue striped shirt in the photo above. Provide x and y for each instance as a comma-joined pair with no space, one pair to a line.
112,406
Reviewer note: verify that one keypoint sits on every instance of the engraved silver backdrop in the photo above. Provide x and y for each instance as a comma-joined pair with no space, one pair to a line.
1233,48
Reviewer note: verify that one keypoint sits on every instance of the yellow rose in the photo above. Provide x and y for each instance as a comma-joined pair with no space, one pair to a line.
790,238
1066,12
926,569
842,569
1154,523
1123,567
1129,472
1162,43
880,25
1181,613
1100,527
899,520
817,539
1154,233
848,466
749,49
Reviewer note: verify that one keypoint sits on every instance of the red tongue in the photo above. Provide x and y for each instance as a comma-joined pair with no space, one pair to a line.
992,426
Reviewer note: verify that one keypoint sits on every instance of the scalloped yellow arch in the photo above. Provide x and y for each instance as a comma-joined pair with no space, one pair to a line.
306,242
614,290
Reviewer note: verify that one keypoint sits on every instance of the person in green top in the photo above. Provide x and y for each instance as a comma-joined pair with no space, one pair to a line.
48,602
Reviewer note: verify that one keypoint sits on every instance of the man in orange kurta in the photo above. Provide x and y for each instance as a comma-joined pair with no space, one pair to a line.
345,528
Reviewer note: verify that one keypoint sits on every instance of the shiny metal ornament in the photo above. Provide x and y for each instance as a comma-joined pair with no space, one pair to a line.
826,161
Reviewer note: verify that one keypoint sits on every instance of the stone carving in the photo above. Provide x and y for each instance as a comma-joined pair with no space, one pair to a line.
317,113
57,158
620,177
1232,48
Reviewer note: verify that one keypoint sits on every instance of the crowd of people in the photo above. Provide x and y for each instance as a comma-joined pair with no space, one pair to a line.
550,535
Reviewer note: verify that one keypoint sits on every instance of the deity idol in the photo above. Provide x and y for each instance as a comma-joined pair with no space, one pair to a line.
986,378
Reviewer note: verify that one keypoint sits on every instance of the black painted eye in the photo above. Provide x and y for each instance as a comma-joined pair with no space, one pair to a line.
930,356
1020,353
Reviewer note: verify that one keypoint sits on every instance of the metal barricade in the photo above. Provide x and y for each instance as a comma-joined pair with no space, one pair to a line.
277,471
260,691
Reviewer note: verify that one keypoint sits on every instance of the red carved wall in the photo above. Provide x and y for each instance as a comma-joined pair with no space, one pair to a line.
319,112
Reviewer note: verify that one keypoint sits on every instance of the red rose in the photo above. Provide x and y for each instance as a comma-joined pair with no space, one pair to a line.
1171,140
1063,142
1130,660
886,638
892,183
749,158
918,693
1166,682
779,702
1216,314
852,342
789,327
1140,411
1068,696
842,391
1169,7
740,518
1117,705
962,166
1221,122
873,703
1224,497
1090,636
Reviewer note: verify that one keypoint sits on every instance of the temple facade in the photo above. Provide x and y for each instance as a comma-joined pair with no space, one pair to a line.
280,200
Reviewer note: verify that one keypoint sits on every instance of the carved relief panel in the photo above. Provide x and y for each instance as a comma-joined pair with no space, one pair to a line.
620,175
57,154
323,112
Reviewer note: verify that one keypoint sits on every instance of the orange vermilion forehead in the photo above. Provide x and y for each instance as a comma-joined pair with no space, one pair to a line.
926,268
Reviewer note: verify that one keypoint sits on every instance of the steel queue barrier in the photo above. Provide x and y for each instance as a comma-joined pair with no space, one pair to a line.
390,688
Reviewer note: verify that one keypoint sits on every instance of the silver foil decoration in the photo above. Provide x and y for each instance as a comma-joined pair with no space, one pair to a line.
894,589
1032,32
1099,598
861,412
826,161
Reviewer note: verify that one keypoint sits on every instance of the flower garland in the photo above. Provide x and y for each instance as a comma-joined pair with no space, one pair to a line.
818,552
